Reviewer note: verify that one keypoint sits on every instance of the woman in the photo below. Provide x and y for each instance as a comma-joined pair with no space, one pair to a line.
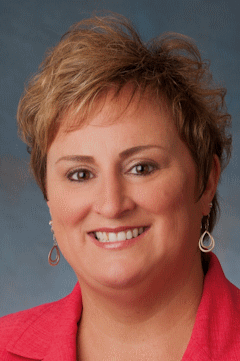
127,144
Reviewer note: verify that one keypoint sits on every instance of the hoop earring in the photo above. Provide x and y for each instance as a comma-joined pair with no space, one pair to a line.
53,262
201,245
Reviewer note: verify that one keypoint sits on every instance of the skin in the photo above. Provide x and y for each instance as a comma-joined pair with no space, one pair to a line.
140,300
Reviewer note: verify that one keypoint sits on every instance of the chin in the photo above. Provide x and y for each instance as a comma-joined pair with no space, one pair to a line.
119,276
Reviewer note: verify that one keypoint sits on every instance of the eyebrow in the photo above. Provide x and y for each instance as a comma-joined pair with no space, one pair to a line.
123,155
131,151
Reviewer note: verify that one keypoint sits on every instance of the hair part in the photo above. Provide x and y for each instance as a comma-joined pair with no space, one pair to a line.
100,53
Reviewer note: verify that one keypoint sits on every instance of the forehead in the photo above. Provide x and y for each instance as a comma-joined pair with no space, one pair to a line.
117,123
111,106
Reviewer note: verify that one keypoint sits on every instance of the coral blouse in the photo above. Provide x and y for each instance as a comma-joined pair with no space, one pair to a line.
48,332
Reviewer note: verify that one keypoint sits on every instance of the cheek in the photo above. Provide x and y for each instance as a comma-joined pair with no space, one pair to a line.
166,195
67,208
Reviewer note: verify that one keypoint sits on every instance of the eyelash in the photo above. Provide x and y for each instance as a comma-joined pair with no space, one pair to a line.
153,167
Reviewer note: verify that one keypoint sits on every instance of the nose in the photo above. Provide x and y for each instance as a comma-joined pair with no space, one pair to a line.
113,199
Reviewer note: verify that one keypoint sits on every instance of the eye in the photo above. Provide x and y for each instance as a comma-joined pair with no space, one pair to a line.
80,175
143,169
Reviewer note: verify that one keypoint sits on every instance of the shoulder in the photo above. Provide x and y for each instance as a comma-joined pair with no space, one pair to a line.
221,296
38,325
217,282
16,323
216,332
218,318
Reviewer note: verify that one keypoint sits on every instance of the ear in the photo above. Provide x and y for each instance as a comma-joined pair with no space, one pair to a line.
49,208
211,187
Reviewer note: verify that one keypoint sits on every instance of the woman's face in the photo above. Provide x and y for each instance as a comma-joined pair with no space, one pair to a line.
122,194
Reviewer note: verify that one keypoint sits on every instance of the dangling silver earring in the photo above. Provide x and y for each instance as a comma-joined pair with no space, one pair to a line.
53,262
211,245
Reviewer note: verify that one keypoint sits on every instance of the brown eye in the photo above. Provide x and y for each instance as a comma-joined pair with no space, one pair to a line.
143,169
80,175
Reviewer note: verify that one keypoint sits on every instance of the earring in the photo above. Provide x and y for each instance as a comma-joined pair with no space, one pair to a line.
211,245
53,262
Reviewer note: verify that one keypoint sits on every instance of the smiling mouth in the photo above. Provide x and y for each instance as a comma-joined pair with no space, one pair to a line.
119,236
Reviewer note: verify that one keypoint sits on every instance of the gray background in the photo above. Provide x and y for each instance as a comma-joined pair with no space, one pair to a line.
27,28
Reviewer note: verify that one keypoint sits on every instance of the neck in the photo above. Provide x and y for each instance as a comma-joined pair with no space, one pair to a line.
155,310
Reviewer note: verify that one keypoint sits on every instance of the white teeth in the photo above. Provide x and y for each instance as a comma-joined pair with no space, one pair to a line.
112,237
102,236
105,236
129,235
120,236
135,232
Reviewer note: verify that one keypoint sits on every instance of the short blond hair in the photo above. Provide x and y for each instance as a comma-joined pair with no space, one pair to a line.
101,52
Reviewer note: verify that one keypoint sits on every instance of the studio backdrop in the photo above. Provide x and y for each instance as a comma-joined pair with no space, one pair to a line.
28,28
